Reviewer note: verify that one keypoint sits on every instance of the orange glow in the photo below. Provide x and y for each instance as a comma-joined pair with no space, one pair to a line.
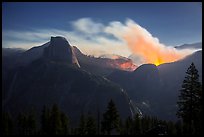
143,44
158,62
127,66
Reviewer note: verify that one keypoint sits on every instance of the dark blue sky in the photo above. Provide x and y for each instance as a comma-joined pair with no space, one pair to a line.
172,23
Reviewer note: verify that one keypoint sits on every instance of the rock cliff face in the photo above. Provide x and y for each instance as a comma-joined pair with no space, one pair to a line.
53,78
60,50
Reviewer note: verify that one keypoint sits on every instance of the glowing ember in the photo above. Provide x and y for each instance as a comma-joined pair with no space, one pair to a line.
158,62
122,64
129,66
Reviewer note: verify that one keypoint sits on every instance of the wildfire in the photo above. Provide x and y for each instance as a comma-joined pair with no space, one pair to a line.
122,64
143,44
128,66
158,62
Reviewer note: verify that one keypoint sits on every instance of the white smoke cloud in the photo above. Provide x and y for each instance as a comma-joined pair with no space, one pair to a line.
94,38
143,44
87,25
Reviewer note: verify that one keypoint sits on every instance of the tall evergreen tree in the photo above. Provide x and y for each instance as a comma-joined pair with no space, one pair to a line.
189,99
45,121
137,127
27,123
145,124
22,124
55,121
171,128
199,115
82,125
129,126
121,127
90,126
7,124
98,120
178,127
65,124
111,119
31,123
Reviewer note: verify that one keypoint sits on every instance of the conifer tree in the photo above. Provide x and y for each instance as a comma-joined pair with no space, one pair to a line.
128,126
55,121
31,123
65,124
82,125
137,129
45,121
7,124
190,100
90,126
110,119
121,127
178,127
22,124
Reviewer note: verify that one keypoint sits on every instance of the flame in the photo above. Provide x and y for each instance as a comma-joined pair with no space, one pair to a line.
143,44
158,62
129,66
126,65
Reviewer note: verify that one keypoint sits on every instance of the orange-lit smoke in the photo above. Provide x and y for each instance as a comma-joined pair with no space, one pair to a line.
122,64
128,66
142,43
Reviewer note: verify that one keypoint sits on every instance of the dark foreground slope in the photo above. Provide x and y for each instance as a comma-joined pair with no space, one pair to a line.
56,78
155,89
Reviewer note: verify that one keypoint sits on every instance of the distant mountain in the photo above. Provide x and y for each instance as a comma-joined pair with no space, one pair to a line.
120,62
51,52
11,51
59,50
113,56
190,46
32,54
57,72
10,58
103,65
55,78
155,89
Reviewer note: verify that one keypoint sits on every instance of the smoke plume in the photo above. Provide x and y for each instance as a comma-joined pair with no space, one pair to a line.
143,44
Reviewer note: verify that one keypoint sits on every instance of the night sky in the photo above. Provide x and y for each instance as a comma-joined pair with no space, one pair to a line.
172,23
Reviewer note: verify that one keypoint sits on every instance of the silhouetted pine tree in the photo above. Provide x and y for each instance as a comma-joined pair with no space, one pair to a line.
137,129
189,100
145,124
7,124
111,119
199,115
178,127
82,125
31,123
65,124
128,126
90,126
73,131
171,128
55,121
45,121
22,124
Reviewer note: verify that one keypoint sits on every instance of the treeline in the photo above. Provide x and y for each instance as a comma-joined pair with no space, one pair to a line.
55,122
